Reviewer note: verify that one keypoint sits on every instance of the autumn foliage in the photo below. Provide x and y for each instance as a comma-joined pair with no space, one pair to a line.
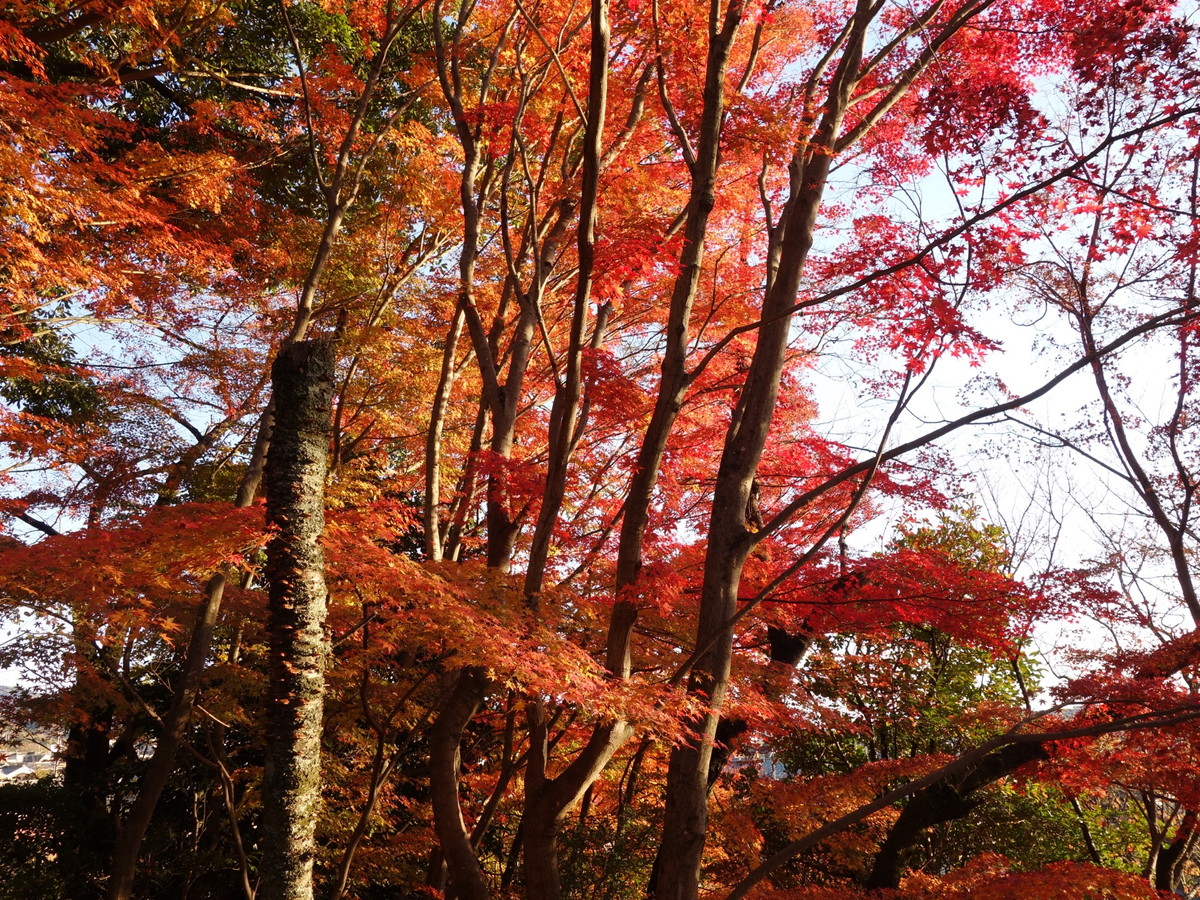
676,349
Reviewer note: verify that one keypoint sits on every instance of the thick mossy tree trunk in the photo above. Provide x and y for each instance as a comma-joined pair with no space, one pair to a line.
295,483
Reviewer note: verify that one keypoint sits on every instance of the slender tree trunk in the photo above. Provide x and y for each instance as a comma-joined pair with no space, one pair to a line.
433,440
465,689
549,800
674,379
296,466
729,540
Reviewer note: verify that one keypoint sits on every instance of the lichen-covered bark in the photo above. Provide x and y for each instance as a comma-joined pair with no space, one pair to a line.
295,481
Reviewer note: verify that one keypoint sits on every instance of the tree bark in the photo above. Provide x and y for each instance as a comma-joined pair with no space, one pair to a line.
1168,868
340,193
295,570
729,543
944,802
464,690
433,440
548,800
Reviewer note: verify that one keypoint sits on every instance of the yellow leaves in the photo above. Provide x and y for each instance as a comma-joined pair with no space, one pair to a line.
206,185
736,844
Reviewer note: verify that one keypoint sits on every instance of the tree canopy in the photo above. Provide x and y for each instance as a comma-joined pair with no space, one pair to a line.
535,448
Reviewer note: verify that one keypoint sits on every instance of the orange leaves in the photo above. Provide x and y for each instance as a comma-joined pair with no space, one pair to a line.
100,593
84,217
195,180
15,46
169,549
990,877
470,615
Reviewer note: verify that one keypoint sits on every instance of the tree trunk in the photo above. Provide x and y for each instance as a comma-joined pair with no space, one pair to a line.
548,801
943,802
1168,868
464,690
433,440
296,465
685,818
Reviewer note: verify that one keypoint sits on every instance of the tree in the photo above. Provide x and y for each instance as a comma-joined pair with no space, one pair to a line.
579,477
302,379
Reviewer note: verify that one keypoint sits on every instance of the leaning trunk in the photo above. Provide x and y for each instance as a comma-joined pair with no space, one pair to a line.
945,801
296,465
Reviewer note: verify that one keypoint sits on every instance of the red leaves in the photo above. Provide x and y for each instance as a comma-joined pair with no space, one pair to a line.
17,47
1100,36
995,878
1172,657
982,93
515,484
472,615
924,587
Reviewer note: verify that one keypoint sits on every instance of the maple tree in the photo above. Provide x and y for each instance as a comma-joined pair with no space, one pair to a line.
590,543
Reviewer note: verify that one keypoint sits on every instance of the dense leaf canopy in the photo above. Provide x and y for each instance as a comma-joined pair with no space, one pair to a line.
677,350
